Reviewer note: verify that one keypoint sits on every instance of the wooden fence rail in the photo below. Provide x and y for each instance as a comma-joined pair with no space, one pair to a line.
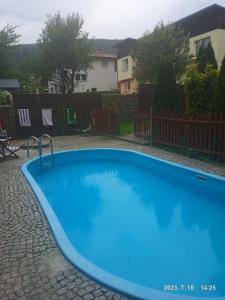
143,124
81,103
105,120
88,108
200,132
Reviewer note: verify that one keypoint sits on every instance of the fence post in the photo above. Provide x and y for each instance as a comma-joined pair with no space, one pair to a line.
151,127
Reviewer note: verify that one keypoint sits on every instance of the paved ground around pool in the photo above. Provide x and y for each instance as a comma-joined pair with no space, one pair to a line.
31,264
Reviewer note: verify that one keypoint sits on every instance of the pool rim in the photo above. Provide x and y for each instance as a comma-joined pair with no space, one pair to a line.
114,282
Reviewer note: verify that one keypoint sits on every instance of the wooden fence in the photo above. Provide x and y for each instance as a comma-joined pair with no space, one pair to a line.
200,132
143,124
105,120
82,103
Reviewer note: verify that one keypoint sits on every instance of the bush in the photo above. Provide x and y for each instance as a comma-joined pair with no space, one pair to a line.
5,98
200,88
219,100
166,95
206,56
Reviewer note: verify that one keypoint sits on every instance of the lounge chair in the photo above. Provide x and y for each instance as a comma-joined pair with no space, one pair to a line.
3,134
71,118
6,150
84,132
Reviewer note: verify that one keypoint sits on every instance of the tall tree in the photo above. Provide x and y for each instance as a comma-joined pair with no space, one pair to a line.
219,100
166,96
65,49
206,56
168,43
8,38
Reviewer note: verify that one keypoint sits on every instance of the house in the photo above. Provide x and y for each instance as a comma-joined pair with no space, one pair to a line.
101,76
204,26
9,84
125,63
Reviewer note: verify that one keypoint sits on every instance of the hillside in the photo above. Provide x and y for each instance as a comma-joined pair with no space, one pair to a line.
24,51
106,45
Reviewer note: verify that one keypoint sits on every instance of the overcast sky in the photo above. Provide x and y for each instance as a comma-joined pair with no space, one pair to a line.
115,19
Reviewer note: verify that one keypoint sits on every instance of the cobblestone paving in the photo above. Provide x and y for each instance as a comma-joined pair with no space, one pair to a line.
31,264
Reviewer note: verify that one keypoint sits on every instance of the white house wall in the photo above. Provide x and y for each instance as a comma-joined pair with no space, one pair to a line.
217,38
99,77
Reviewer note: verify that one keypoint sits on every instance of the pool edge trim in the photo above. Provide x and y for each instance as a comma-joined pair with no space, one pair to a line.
101,276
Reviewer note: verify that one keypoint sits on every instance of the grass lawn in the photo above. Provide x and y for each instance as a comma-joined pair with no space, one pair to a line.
126,128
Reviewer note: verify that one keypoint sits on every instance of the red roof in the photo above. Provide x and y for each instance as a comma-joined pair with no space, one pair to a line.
99,53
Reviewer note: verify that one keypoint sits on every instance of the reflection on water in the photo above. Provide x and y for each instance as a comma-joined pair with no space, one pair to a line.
138,225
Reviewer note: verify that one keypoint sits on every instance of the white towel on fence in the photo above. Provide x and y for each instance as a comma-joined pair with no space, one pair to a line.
47,116
24,117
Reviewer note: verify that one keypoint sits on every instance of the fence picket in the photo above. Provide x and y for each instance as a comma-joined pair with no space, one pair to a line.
105,120
82,103
201,132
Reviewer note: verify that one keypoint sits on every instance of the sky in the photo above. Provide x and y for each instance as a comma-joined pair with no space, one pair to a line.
115,19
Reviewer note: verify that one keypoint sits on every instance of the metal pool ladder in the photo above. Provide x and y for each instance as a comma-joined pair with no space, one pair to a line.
39,142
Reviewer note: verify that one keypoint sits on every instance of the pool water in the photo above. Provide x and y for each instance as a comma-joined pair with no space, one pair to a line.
150,227
146,227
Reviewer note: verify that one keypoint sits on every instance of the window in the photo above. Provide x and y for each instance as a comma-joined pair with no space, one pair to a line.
127,85
80,77
77,77
125,64
84,77
203,42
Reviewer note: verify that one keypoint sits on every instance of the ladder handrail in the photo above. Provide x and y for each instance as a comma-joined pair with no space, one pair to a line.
39,142
50,141
34,138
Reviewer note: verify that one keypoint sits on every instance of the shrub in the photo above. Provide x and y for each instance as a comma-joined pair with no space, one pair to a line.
5,98
200,88
166,96
205,57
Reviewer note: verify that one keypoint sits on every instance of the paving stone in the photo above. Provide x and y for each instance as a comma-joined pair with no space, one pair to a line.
101,298
88,297
98,293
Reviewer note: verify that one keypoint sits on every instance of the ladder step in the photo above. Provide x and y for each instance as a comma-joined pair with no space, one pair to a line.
46,166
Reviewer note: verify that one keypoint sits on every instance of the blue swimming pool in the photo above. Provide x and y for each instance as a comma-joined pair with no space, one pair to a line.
147,227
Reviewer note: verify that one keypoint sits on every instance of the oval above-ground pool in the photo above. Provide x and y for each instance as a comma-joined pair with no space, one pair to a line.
143,226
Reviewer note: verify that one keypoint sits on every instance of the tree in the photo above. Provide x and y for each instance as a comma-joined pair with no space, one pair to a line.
206,56
29,77
165,43
65,49
8,38
28,73
200,88
219,100
166,96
